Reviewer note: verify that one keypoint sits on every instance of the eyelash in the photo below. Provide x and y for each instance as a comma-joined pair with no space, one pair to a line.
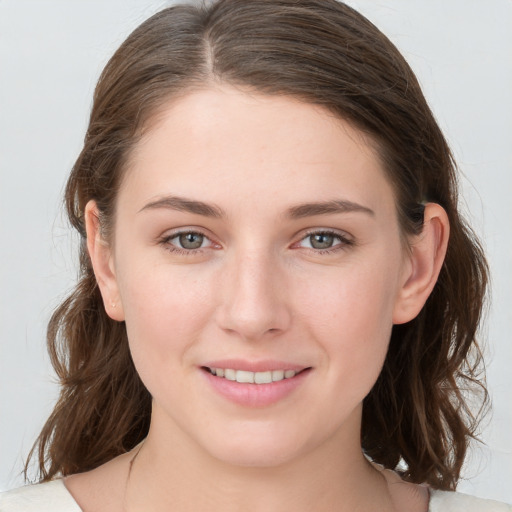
345,242
166,243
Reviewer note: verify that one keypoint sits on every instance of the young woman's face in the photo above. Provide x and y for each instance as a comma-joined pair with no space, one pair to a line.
257,236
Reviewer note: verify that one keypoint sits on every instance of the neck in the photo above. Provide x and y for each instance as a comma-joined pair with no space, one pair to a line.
172,473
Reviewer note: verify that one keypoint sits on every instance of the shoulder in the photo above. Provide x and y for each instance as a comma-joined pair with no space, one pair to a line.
47,497
444,501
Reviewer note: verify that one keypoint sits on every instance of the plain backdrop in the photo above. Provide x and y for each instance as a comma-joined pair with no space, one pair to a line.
51,53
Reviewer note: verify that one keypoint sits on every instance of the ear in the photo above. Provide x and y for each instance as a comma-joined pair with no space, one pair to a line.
427,253
102,262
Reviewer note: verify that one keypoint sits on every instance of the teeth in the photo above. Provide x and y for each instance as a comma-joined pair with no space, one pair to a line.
262,377
229,374
277,375
246,377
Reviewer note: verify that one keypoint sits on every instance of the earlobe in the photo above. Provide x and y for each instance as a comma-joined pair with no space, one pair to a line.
101,258
427,253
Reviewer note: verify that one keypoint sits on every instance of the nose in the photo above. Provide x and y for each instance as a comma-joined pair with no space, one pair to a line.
253,298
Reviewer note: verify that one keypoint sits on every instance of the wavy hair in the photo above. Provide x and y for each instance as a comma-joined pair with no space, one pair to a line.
417,417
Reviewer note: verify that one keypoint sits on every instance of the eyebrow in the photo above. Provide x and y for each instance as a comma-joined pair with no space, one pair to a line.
186,205
295,212
327,207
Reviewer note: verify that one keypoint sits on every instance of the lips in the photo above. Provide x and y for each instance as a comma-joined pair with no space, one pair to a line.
254,384
254,366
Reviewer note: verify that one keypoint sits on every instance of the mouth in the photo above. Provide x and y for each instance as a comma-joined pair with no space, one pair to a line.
248,377
255,383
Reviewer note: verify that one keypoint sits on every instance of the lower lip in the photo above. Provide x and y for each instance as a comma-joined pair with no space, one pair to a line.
255,395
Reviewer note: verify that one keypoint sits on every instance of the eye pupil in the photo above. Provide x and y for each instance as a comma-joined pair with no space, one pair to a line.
321,240
191,240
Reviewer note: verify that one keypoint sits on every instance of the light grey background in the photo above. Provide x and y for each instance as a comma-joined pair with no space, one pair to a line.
51,53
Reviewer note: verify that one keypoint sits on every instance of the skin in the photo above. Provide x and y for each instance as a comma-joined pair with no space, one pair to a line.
257,289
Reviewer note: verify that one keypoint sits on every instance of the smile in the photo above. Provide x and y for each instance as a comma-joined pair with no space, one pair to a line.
271,383
247,377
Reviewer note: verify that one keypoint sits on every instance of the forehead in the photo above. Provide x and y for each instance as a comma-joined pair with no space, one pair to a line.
224,143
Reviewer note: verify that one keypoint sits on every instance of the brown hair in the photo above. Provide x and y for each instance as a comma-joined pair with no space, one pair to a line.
323,52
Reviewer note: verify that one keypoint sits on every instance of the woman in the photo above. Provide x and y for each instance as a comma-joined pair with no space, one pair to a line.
279,299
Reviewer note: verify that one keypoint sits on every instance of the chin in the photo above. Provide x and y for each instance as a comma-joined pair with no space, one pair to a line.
259,448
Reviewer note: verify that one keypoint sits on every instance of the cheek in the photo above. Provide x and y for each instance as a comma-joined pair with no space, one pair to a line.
350,316
355,301
165,311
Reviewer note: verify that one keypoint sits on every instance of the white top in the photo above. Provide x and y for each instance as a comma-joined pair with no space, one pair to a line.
54,497
48,497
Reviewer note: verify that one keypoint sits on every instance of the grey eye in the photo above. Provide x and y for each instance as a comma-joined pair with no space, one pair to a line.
321,240
191,240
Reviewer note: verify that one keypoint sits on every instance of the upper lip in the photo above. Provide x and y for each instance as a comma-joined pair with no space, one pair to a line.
254,366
